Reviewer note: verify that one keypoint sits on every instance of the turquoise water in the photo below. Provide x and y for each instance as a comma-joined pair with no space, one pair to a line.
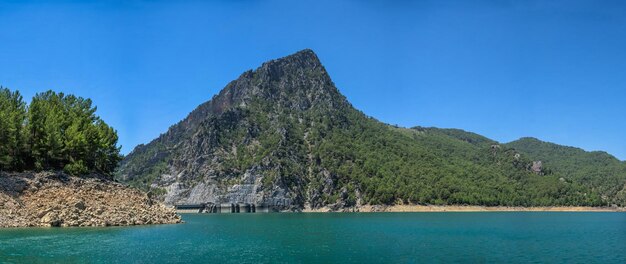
507,237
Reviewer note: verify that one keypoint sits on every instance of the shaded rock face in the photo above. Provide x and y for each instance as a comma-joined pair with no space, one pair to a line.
235,147
55,199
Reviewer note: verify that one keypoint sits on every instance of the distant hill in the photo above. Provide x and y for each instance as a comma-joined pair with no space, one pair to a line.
284,136
598,170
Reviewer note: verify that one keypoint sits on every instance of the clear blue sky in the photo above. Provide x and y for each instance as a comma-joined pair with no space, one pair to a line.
555,70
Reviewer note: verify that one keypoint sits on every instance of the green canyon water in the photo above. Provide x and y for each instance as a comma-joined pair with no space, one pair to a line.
506,237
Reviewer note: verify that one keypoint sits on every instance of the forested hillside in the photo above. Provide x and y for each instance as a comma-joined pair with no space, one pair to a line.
597,170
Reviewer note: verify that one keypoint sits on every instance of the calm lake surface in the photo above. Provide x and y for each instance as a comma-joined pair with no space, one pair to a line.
506,237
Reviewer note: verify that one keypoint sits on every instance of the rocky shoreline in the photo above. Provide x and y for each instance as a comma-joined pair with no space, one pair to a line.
56,199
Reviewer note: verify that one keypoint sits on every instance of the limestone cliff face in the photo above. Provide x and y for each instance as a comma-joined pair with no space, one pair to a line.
56,199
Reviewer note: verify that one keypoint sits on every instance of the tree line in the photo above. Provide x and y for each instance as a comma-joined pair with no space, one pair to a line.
55,132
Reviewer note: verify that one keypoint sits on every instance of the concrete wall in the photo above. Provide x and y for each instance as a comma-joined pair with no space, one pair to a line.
226,208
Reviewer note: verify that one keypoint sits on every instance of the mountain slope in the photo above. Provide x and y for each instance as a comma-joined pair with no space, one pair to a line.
282,135
597,170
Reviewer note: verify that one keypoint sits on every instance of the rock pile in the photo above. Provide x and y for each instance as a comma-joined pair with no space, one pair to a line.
56,199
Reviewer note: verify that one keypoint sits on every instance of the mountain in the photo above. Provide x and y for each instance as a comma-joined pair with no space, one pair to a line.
284,136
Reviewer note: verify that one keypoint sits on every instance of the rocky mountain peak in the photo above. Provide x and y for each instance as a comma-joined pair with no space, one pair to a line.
298,82
301,70
304,59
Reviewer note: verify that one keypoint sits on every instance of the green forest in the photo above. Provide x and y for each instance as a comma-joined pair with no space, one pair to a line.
55,132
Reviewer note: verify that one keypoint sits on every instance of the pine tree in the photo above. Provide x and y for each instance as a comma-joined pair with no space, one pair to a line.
12,138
